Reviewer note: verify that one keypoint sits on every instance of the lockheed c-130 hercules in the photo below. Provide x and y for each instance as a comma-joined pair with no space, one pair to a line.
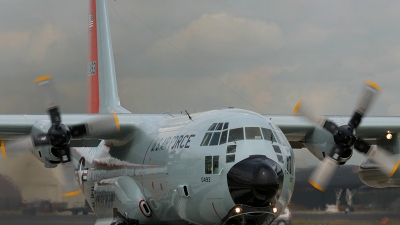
227,166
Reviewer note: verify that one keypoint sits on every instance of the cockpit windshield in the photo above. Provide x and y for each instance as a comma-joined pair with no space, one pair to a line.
218,134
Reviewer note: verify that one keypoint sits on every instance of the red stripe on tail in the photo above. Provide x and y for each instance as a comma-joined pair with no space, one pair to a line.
93,78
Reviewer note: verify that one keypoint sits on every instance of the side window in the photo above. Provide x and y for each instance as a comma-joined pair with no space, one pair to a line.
208,165
230,153
278,153
212,164
230,158
289,164
253,133
277,149
231,149
280,158
235,134
215,164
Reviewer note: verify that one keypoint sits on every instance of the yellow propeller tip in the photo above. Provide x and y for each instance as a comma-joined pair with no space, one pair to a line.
372,84
3,149
117,121
43,78
394,168
72,193
296,108
316,185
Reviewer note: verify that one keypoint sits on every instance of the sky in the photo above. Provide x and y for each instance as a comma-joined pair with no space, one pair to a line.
177,55
203,55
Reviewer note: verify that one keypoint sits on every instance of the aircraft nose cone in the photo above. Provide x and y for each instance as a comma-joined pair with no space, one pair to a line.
255,181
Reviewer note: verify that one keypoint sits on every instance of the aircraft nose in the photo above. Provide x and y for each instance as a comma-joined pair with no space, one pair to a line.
255,181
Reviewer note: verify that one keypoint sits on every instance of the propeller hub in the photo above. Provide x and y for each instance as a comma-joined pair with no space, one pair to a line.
59,135
345,136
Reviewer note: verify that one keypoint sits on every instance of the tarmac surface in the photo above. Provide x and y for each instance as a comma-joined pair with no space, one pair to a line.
90,219
47,220
370,216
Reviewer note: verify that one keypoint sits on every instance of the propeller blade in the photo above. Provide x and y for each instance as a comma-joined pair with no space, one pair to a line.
323,174
379,156
59,135
46,86
103,124
67,179
368,96
24,144
54,115
320,121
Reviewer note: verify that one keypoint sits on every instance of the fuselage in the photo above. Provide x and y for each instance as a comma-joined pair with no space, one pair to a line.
183,166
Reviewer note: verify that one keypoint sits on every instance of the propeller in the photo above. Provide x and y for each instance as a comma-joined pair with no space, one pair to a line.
59,135
346,140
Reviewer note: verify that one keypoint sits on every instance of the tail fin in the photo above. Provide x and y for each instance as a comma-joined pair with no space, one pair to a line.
102,85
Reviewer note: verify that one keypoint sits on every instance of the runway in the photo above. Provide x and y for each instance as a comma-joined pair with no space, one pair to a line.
352,216
90,219
47,220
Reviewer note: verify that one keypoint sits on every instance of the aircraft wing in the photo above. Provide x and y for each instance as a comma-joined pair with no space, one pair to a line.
15,126
371,129
295,128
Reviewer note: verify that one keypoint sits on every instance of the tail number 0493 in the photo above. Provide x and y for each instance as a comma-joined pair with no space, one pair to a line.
92,68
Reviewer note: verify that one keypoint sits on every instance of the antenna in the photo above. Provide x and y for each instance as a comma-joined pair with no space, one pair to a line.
188,115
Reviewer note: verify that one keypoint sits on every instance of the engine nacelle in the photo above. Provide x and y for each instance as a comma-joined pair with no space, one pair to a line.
43,153
24,144
319,142
370,174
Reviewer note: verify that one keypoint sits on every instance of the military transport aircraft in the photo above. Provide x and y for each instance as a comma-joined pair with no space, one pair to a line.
227,166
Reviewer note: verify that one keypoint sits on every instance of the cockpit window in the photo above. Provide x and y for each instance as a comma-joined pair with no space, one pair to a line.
212,127
215,138
253,133
276,137
219,126
283,139
268,135
226,126
235,135
206,139
223,137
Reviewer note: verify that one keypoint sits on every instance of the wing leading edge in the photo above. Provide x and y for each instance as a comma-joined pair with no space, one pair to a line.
295,128
372,129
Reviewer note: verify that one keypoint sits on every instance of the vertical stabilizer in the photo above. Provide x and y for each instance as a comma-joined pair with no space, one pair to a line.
102,84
